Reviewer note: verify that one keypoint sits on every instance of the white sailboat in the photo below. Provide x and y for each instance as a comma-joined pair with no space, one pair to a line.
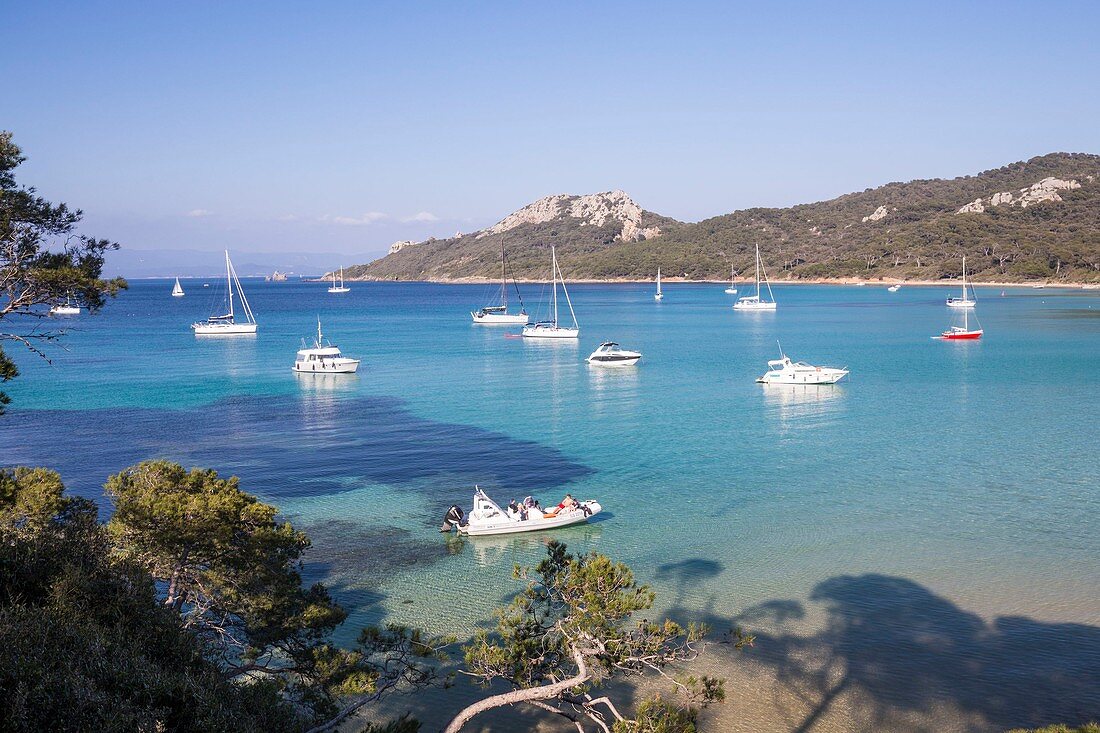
754,302
177,289
498,314
551,329
658,295
68,308
964,301
227,325
732,289
341,288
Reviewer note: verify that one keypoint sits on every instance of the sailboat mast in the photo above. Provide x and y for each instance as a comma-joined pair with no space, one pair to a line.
964,277
758,271
229,282
318,332
554,276
503,277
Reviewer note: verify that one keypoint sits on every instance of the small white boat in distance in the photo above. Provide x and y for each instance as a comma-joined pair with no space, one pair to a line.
753,302
610,354
551,329
784,371
894,288
964,301
65,309
498,315
226,325
177,289
324,359
340,288
732,289
487,518
658,295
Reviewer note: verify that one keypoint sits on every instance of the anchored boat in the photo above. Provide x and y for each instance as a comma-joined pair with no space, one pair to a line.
963,301
341,288
784,371
754,302
611,354
658,295
498,314
68,308
551,329
732,289
227,325
323,359
487,518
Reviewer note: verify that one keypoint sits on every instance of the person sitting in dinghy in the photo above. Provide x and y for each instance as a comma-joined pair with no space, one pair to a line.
569,504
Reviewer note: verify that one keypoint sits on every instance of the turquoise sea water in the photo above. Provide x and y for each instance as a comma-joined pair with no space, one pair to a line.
961,478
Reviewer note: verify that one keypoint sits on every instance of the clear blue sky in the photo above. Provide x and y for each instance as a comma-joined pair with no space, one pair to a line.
341,127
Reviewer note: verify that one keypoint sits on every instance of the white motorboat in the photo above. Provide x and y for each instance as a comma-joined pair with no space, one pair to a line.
227,325
323,359
611,354
658,295
732,289
964,301
498,314
487,518
339,288
65,309
784,371
754,302
551,329
177,289
894,288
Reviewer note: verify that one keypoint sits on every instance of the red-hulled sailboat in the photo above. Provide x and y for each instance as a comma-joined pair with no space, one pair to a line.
964,332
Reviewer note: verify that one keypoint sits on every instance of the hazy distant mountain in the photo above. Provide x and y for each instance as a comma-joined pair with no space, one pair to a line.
138,263
1033,220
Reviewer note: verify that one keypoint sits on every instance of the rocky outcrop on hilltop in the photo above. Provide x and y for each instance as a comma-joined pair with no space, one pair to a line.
398,246
594,210
1037,193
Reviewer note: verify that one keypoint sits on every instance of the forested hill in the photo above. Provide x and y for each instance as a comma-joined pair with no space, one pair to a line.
1033,220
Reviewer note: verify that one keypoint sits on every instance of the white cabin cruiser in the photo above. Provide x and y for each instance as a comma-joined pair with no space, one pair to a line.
551,329
227,325
784,371
324,359
894,288
498,315
755,302
487,518
611,354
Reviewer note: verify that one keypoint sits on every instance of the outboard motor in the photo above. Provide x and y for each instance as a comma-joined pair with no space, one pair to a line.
452,519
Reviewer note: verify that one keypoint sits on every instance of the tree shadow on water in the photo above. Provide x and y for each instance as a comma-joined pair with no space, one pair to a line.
902,652
284,447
